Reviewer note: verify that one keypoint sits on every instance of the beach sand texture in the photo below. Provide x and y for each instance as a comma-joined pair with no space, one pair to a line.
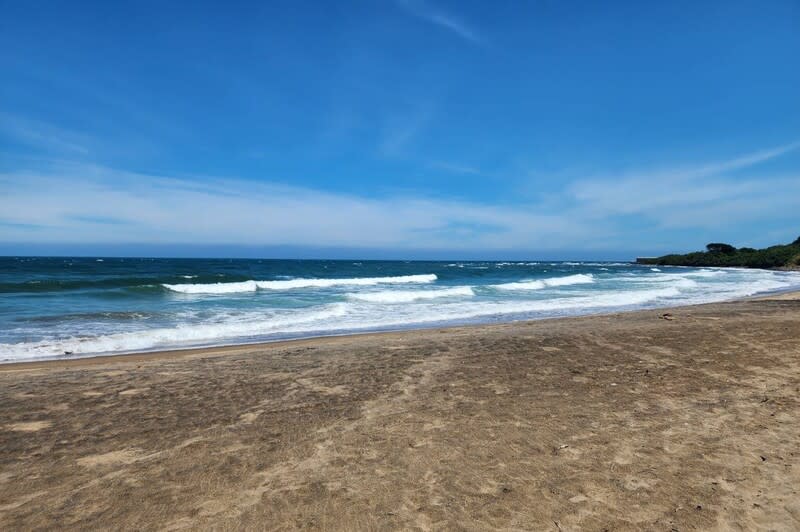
616,422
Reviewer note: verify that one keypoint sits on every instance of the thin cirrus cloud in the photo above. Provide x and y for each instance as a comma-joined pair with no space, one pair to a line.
400,131
83,203
36,134
695,196
434,15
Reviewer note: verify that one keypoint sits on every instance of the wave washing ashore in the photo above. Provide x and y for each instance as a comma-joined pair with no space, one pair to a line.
61,307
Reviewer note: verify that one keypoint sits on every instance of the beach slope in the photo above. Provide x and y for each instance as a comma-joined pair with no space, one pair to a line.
629,421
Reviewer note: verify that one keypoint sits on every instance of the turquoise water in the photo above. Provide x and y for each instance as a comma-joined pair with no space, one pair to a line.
71,307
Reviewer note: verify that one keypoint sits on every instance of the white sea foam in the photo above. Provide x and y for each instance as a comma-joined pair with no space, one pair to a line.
626,264
406,296
342,316
336,317
580,278
289,284
359,312
521,285
213,288
685,283
677,280
654,270
538,284
181,335
707,273
357,281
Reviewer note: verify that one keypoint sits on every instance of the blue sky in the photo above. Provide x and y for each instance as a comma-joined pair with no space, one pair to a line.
402,128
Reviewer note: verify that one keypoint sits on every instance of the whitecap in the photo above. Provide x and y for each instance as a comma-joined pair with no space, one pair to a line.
538,284
213,288
289,284
357,281
407,296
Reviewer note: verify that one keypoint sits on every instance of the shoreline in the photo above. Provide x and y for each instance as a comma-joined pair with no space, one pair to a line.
222,349
623,421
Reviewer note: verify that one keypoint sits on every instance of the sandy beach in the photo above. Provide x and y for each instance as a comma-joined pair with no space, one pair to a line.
633,421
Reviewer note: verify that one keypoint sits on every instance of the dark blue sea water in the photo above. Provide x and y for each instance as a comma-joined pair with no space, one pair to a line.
69,307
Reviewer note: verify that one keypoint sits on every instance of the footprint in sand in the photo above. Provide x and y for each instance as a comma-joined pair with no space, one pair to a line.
126,456
134,391
29,426
249,417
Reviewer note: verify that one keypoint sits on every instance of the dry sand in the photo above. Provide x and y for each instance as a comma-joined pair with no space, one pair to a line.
616,422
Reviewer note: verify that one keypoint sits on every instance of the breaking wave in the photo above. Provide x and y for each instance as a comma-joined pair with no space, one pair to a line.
406,296
117,307
578,278
290,284
330,319
213,288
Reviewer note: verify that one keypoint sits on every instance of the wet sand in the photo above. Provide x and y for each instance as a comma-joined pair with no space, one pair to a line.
615,422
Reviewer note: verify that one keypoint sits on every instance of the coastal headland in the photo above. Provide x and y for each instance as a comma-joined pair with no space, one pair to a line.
678,419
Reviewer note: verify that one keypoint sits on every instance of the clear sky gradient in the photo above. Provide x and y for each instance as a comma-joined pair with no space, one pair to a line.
398,128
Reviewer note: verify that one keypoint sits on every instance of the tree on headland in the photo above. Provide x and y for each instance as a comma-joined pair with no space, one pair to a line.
720,254
718,247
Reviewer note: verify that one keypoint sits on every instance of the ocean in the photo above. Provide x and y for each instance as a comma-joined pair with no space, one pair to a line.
56,307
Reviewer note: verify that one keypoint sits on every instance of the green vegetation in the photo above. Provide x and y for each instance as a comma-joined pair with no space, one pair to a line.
719,254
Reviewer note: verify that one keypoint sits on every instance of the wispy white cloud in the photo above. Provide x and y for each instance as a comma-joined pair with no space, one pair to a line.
81,203
694,172
111,101
744,161
401,129
686,196
158,209
434,15
42,135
